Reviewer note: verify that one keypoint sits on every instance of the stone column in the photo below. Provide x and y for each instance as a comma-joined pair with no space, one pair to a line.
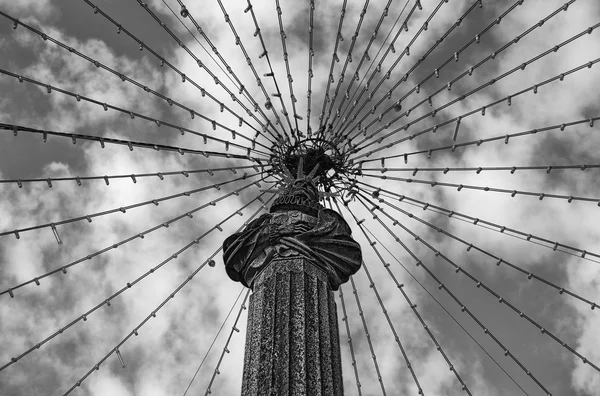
292,344
293,258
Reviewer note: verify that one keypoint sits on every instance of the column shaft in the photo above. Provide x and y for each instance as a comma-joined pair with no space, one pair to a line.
292,345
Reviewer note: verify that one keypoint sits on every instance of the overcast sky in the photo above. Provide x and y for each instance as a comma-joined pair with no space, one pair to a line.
169,348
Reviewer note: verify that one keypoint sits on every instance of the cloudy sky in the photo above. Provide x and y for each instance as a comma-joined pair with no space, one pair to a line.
163,358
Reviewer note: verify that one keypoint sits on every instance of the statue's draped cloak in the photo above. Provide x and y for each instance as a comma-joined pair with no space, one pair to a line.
328,245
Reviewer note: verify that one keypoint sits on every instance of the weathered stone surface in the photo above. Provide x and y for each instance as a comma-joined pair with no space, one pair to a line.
297,334
293,343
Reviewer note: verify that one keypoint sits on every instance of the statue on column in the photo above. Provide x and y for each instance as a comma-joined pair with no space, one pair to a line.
297,225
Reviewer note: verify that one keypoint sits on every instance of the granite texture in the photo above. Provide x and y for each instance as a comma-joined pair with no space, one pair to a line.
292,345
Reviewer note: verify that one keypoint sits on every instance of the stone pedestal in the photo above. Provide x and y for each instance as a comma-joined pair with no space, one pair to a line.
292,342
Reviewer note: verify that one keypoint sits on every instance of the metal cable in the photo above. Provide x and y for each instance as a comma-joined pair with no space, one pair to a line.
499,260
107,302
265,54
311,54
133,176
287,67
238,41
455,57
464,308
225,349
346,321
128,79
506,138
349,336
334,59
367,335
15,129
413,306
343,73
257,108
512,193
240,88
480,284
200,43
153,314
479,169
122,209
50,88
401,287
164,62
364,56
457,120
379,64
420,61
141,235
554,245
215,339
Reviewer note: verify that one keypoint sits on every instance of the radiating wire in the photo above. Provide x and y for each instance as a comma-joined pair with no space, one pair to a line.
334,59
554,245
367,335
480,284
129,113
327,203
225,348
343,117
508,100
348,60
352,149
498,259
123,209
479,169
214,340
385,312
287,67
311,54
132,176
265,54
349,336
200,43
238,41
420,61
15,129
455,57
141,235
107,302
413,307
257,108
464,308
153,314
164,62
128,79
512,193
362,59
401,288
506,138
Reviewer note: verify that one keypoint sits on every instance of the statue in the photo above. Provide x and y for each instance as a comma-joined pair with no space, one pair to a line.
297,225
293,258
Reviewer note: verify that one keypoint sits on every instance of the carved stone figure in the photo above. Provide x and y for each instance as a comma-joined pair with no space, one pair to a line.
297,226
